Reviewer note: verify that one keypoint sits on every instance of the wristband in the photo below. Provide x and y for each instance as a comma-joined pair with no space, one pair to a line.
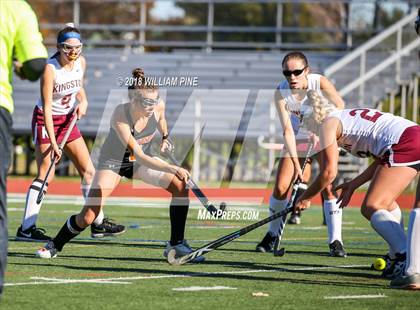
165,136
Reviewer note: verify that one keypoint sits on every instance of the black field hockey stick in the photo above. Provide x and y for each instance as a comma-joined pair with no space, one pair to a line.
63,142
199,193
277,251
173,260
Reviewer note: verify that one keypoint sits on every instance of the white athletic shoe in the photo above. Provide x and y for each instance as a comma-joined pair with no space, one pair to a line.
48,251
181,250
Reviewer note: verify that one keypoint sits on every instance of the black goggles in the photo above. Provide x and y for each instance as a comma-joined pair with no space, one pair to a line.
296,72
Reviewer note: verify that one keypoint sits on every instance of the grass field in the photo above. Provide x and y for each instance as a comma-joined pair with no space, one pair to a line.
129,272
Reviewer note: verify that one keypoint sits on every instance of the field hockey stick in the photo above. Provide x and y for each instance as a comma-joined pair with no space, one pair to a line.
199,193
173,260
277,251
63,142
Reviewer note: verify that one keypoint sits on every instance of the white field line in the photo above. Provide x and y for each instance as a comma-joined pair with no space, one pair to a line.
203,288
355,296
185,275
136,202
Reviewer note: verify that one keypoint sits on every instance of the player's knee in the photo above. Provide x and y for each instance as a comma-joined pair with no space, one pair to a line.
180,190
87,175
280,192
367,209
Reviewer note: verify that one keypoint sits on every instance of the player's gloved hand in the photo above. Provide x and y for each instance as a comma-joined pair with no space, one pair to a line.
347,189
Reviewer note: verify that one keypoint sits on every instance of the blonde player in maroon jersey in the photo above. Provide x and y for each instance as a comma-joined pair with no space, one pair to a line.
289,97
61,86
394,143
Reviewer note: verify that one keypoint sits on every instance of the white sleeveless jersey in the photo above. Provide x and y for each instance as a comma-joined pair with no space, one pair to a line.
369,132
293,105
66,86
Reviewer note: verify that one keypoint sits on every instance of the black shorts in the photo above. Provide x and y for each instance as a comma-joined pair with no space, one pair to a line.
124,169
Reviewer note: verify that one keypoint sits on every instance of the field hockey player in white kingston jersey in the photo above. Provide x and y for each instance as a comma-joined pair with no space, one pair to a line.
61,87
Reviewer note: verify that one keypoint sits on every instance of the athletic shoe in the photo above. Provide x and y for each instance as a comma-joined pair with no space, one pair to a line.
48,251
106,229
337,249
407,282
387,270
181,250
266,244
294,219
396,268
33,233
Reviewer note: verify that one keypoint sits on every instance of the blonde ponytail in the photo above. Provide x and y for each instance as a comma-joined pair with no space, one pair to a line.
320,106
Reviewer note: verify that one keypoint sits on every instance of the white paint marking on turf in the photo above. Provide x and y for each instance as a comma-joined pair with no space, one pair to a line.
128,202
355,296
120,280
79,280
203,288
64,282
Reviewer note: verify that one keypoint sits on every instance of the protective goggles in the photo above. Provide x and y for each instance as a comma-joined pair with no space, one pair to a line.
297,72
146,102
67,48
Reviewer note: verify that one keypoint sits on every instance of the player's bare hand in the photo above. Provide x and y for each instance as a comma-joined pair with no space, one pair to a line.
56,152
298,172
17,66
166,147
346,191
81,109
182,174
313,138
302,204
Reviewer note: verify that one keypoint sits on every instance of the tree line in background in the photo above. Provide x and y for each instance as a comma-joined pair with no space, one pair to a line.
312,15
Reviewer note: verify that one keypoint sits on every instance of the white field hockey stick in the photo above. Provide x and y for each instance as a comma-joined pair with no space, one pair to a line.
277,251
63,142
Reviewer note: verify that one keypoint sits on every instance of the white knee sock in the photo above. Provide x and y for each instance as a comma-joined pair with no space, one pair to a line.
31,207
390,230
333,217
413,241
85,191
398,216
276,205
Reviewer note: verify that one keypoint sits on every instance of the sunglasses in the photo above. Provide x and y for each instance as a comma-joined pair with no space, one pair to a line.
296,72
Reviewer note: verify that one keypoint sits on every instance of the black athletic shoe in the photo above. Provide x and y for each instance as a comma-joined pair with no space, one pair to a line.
266,244
106,229
294,219
337,249
33,233
395,267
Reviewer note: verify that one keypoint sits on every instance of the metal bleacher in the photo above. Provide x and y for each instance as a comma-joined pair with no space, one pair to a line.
215,71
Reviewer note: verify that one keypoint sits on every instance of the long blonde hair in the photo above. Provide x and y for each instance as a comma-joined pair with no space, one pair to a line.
318,108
